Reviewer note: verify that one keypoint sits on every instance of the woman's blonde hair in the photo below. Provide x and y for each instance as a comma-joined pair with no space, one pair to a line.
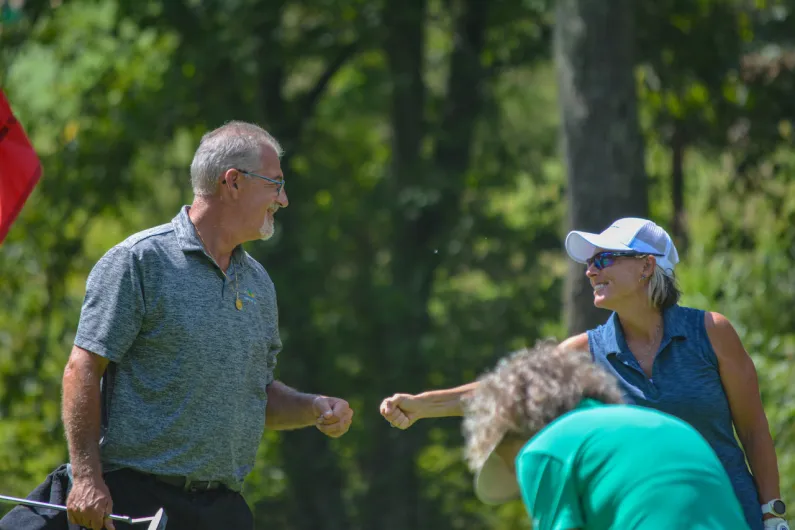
528,390
663,291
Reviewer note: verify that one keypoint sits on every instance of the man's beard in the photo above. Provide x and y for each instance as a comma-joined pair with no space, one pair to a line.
267,228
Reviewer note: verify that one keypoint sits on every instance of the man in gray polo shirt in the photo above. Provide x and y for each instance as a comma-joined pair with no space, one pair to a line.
167,387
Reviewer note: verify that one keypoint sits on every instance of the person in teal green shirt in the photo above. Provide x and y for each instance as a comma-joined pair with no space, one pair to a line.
550,429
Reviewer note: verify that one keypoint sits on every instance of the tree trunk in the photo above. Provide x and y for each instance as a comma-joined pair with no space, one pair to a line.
601,138
394,500
678,228
314,478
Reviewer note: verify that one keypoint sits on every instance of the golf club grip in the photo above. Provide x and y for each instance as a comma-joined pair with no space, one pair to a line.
26,502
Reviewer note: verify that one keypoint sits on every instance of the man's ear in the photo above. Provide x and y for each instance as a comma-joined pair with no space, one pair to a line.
231,175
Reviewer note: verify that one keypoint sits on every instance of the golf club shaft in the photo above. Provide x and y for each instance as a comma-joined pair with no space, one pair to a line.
27,502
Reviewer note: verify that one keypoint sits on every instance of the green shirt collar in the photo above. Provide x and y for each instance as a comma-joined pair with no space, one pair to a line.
589,403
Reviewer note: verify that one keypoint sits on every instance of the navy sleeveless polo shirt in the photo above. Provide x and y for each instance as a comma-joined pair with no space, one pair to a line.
685,383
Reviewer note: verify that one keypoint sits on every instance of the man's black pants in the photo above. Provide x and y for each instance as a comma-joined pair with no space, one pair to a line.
139,495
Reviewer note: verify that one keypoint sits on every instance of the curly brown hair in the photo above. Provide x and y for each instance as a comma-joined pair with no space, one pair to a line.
526,391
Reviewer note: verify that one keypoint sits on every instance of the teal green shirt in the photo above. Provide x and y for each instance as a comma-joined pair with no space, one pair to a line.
623,467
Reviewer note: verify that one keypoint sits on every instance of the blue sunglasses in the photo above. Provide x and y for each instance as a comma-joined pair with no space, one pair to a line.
606,259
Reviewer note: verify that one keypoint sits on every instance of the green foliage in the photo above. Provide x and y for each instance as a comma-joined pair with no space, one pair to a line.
423,240
741,266
716,71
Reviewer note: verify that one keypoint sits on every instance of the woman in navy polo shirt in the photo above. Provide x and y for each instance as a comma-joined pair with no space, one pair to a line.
683,361
686,362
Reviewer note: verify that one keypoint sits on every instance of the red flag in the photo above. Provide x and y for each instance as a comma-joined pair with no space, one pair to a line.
20,168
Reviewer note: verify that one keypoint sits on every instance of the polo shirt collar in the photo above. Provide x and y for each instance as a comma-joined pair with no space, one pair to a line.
188,238
673,328
674,324
589,403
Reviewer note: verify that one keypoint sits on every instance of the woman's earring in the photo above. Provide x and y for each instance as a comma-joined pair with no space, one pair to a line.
643,277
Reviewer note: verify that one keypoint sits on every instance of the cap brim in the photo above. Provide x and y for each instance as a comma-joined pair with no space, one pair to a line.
494,482
581,246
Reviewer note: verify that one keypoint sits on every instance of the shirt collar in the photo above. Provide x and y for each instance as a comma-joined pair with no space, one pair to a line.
674,323
188,238
589,403
614,336
672,329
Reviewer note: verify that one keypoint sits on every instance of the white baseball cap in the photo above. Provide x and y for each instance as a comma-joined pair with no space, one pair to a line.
630,234
494,482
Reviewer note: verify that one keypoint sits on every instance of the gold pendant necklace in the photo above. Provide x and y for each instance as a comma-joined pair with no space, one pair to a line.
238,301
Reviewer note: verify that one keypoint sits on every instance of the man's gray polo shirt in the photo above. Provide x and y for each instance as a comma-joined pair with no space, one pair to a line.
191,371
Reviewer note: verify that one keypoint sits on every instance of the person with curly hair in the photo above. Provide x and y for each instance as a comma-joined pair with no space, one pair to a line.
687,362
549,428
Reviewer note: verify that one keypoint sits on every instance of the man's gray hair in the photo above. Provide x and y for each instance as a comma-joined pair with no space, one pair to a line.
528,390
235,144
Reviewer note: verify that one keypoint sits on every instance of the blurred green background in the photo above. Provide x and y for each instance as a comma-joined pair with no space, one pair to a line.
437,152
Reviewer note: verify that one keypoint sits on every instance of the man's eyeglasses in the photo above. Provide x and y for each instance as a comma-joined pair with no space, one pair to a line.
279,183
606,259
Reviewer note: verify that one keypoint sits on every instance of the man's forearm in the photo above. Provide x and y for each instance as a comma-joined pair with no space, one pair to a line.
288,408
81,416
443,403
